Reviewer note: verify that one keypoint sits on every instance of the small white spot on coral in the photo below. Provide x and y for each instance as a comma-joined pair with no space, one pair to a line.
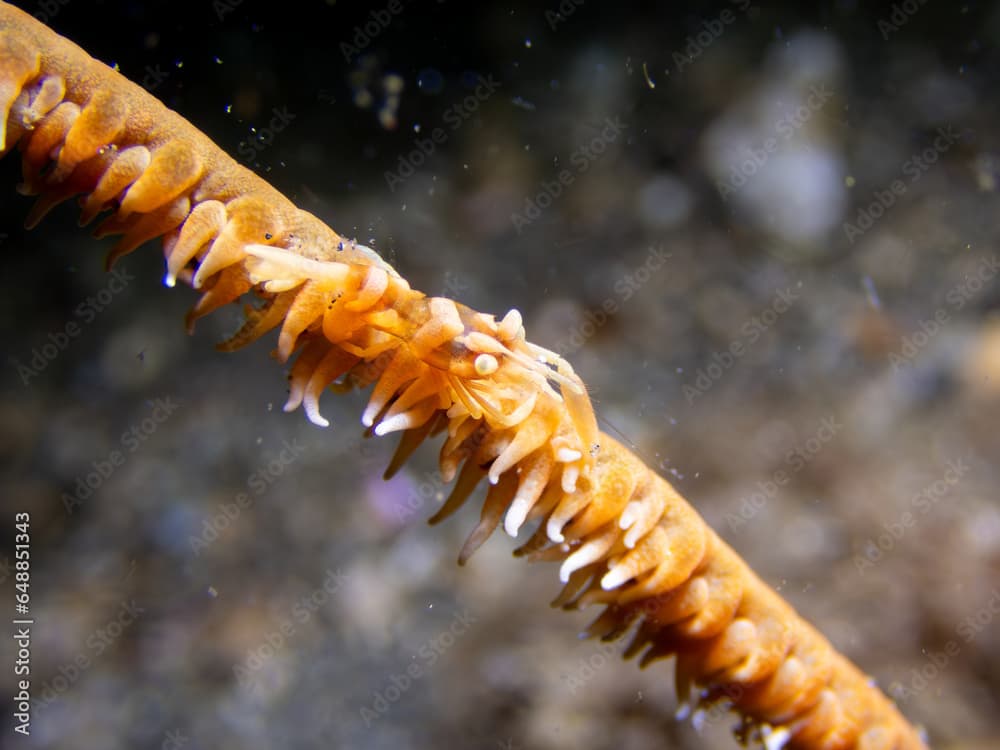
568,455
486,364
683,711
776,738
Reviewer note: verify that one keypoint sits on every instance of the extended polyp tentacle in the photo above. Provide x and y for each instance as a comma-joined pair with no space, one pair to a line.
611,624
101,120
303,367
429,384
258,321
825,725
159,222
722,573
251,220
615,483
174,169
567,506
43,141
205,222
536,470
592,549
736,644
530,435
773,639
80,181
227,286
410,419
770,695
538,541
644,510
409,441
497,500
334,364
576,582
795,686
647,555
125,169
681,550
305,309
679,603
403,369
460,446
468,479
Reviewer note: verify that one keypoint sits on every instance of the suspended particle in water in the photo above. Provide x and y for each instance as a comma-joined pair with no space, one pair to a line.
649,81
871,292
430,81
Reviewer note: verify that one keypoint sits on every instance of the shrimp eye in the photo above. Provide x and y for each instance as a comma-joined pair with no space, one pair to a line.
486,364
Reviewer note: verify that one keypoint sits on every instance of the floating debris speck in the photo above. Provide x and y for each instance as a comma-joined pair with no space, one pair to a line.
523,103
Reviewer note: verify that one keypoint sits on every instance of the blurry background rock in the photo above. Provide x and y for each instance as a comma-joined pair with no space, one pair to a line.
779,279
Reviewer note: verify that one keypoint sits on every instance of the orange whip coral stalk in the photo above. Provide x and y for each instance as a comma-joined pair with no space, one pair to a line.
512,413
